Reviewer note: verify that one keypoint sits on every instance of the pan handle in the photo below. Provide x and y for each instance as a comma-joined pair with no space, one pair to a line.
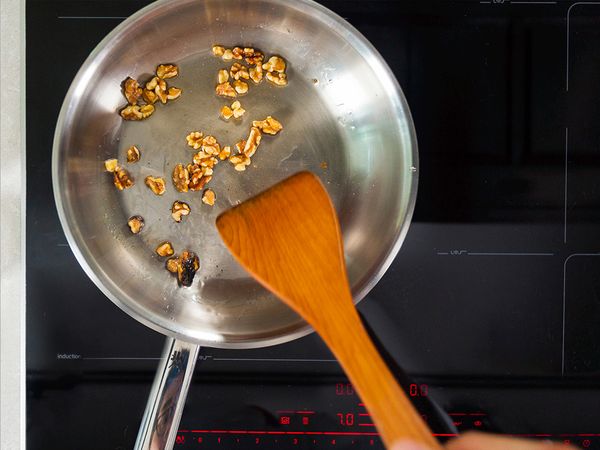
158,429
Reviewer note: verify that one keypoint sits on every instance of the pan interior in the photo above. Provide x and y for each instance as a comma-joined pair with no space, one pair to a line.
343,119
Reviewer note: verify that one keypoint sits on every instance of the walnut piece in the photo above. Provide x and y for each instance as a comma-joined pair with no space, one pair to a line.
149,96
270,125
253,57
235,110
203,159
166,71
131,90
225,90
156,184
122,179
173,93
239,162
209,197
252,142
226,112
136,224
179,209
222,76
172,264
136,112
227,55
194,139
239,146
187,266
165,249
133,154
279,79
237,52
238,71
210,146
274,64
181,178
218,50
225,153
111,164
198,176
241,87
151,85
238,111
256,74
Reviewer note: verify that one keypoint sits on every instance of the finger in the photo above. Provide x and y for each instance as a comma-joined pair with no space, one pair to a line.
408,445
482,441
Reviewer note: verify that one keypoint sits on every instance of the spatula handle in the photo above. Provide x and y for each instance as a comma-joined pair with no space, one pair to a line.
391,410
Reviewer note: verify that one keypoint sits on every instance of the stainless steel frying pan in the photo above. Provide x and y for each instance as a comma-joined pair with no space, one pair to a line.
342,107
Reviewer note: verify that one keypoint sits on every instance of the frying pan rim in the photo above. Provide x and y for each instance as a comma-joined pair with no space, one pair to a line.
398,100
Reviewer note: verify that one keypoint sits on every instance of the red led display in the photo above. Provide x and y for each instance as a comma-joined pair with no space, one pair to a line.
284,420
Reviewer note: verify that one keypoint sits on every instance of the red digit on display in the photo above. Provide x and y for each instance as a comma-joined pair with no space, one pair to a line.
257,441
295,441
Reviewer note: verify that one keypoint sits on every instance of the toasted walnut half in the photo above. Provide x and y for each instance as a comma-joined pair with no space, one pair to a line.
256,74
165,249
111,164
225,90
194,139
166,71
122,179
270,125
274,64
241,87
136,224
179,209
133,154
181,178
209,197
218,50
131,90
136,112
279,79
156,184
187,266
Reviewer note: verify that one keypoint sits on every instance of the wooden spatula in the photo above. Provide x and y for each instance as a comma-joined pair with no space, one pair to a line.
288,238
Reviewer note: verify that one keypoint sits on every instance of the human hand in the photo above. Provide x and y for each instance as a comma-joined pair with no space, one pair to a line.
482,441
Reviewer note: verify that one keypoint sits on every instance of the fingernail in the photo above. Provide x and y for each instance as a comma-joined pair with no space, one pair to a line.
408,445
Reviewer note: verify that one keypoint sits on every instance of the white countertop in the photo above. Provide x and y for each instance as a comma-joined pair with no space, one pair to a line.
12,225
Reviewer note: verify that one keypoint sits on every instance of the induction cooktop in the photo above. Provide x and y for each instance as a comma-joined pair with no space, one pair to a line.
492,304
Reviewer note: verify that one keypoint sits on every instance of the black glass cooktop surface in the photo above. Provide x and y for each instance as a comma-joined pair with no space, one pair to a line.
492,304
